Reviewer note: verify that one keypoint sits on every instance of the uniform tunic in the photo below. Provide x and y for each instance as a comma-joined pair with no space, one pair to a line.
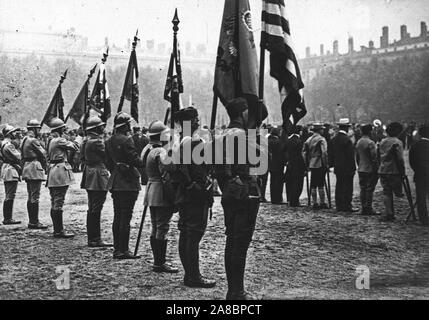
9,173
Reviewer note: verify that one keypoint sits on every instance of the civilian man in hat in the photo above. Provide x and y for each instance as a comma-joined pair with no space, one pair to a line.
391,158
419,162
33,173
366,158
342,158
194,198
10,171
240,201
276,166
315,155
157,198
94,179
295,168
124,183
60,175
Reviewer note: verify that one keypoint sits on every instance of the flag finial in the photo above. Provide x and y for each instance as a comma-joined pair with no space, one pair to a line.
175,21
63,76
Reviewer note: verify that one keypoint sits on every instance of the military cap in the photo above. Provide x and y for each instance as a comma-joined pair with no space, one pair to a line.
8,129
186,114
33,123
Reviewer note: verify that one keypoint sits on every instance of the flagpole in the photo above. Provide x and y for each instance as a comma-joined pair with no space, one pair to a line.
214,111
261,80
175,22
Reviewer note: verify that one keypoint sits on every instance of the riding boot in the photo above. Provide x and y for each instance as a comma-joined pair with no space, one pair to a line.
123,244
161,265
7,213
90,227
33,217
195,279
238,266
182,252
228,265
57,220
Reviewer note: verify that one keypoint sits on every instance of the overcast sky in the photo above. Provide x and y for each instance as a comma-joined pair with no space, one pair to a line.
312,21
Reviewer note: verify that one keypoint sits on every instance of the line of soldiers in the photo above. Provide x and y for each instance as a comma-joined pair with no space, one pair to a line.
114,166
372,159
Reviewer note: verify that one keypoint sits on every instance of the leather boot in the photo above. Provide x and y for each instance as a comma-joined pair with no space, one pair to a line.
195,279
182,252
123,244
7,213
57,219
94,232
238,265
228,263
389,213
33,215
160,264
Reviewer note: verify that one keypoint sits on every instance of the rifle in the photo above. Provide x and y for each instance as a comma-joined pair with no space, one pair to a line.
405,183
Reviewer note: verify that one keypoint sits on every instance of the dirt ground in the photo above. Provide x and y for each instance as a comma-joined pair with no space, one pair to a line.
296,254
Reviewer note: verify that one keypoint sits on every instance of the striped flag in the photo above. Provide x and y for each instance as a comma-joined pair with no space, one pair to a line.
276,38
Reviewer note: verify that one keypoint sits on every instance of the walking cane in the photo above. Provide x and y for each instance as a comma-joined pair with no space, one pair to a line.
308,189
140,230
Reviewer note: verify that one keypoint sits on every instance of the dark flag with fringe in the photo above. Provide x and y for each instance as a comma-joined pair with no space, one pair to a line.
56,107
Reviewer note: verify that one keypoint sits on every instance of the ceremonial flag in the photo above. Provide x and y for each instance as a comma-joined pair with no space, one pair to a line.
80,108
100,98
56,106
276,38
130,91
236,73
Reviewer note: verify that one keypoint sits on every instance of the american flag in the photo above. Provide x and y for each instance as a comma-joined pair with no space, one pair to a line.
276,38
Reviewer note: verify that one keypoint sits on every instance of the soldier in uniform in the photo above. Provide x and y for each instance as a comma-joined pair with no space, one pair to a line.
124,183
157,199
366,158
60,174
10,172
276,149
342,158
391,159
315,155
419,155
193,198
33,173
94,178
295,168
240,202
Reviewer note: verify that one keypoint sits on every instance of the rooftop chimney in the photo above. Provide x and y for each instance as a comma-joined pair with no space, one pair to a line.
307,52
371,44
404,33
322,50
335,48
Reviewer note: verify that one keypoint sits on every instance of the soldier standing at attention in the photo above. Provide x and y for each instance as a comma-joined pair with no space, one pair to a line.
193,200
33,173
10,172
95,177
295,168
419,162
240,201
124,183
366,158
157,198
60,174
342,158
391,158
315,154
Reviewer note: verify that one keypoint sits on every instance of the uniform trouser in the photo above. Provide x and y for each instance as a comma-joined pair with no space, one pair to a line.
123,206
276,186
192,225
422,191
264,180
294,187
317,183
240,221
160,218
392,184
96,201
33,190
367,183
58,196
344,192
10,192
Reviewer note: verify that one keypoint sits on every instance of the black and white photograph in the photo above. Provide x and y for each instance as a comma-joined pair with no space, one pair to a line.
235,152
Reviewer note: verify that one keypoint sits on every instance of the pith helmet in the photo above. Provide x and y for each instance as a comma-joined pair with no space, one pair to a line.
56,124
121,119
33,123
94,122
